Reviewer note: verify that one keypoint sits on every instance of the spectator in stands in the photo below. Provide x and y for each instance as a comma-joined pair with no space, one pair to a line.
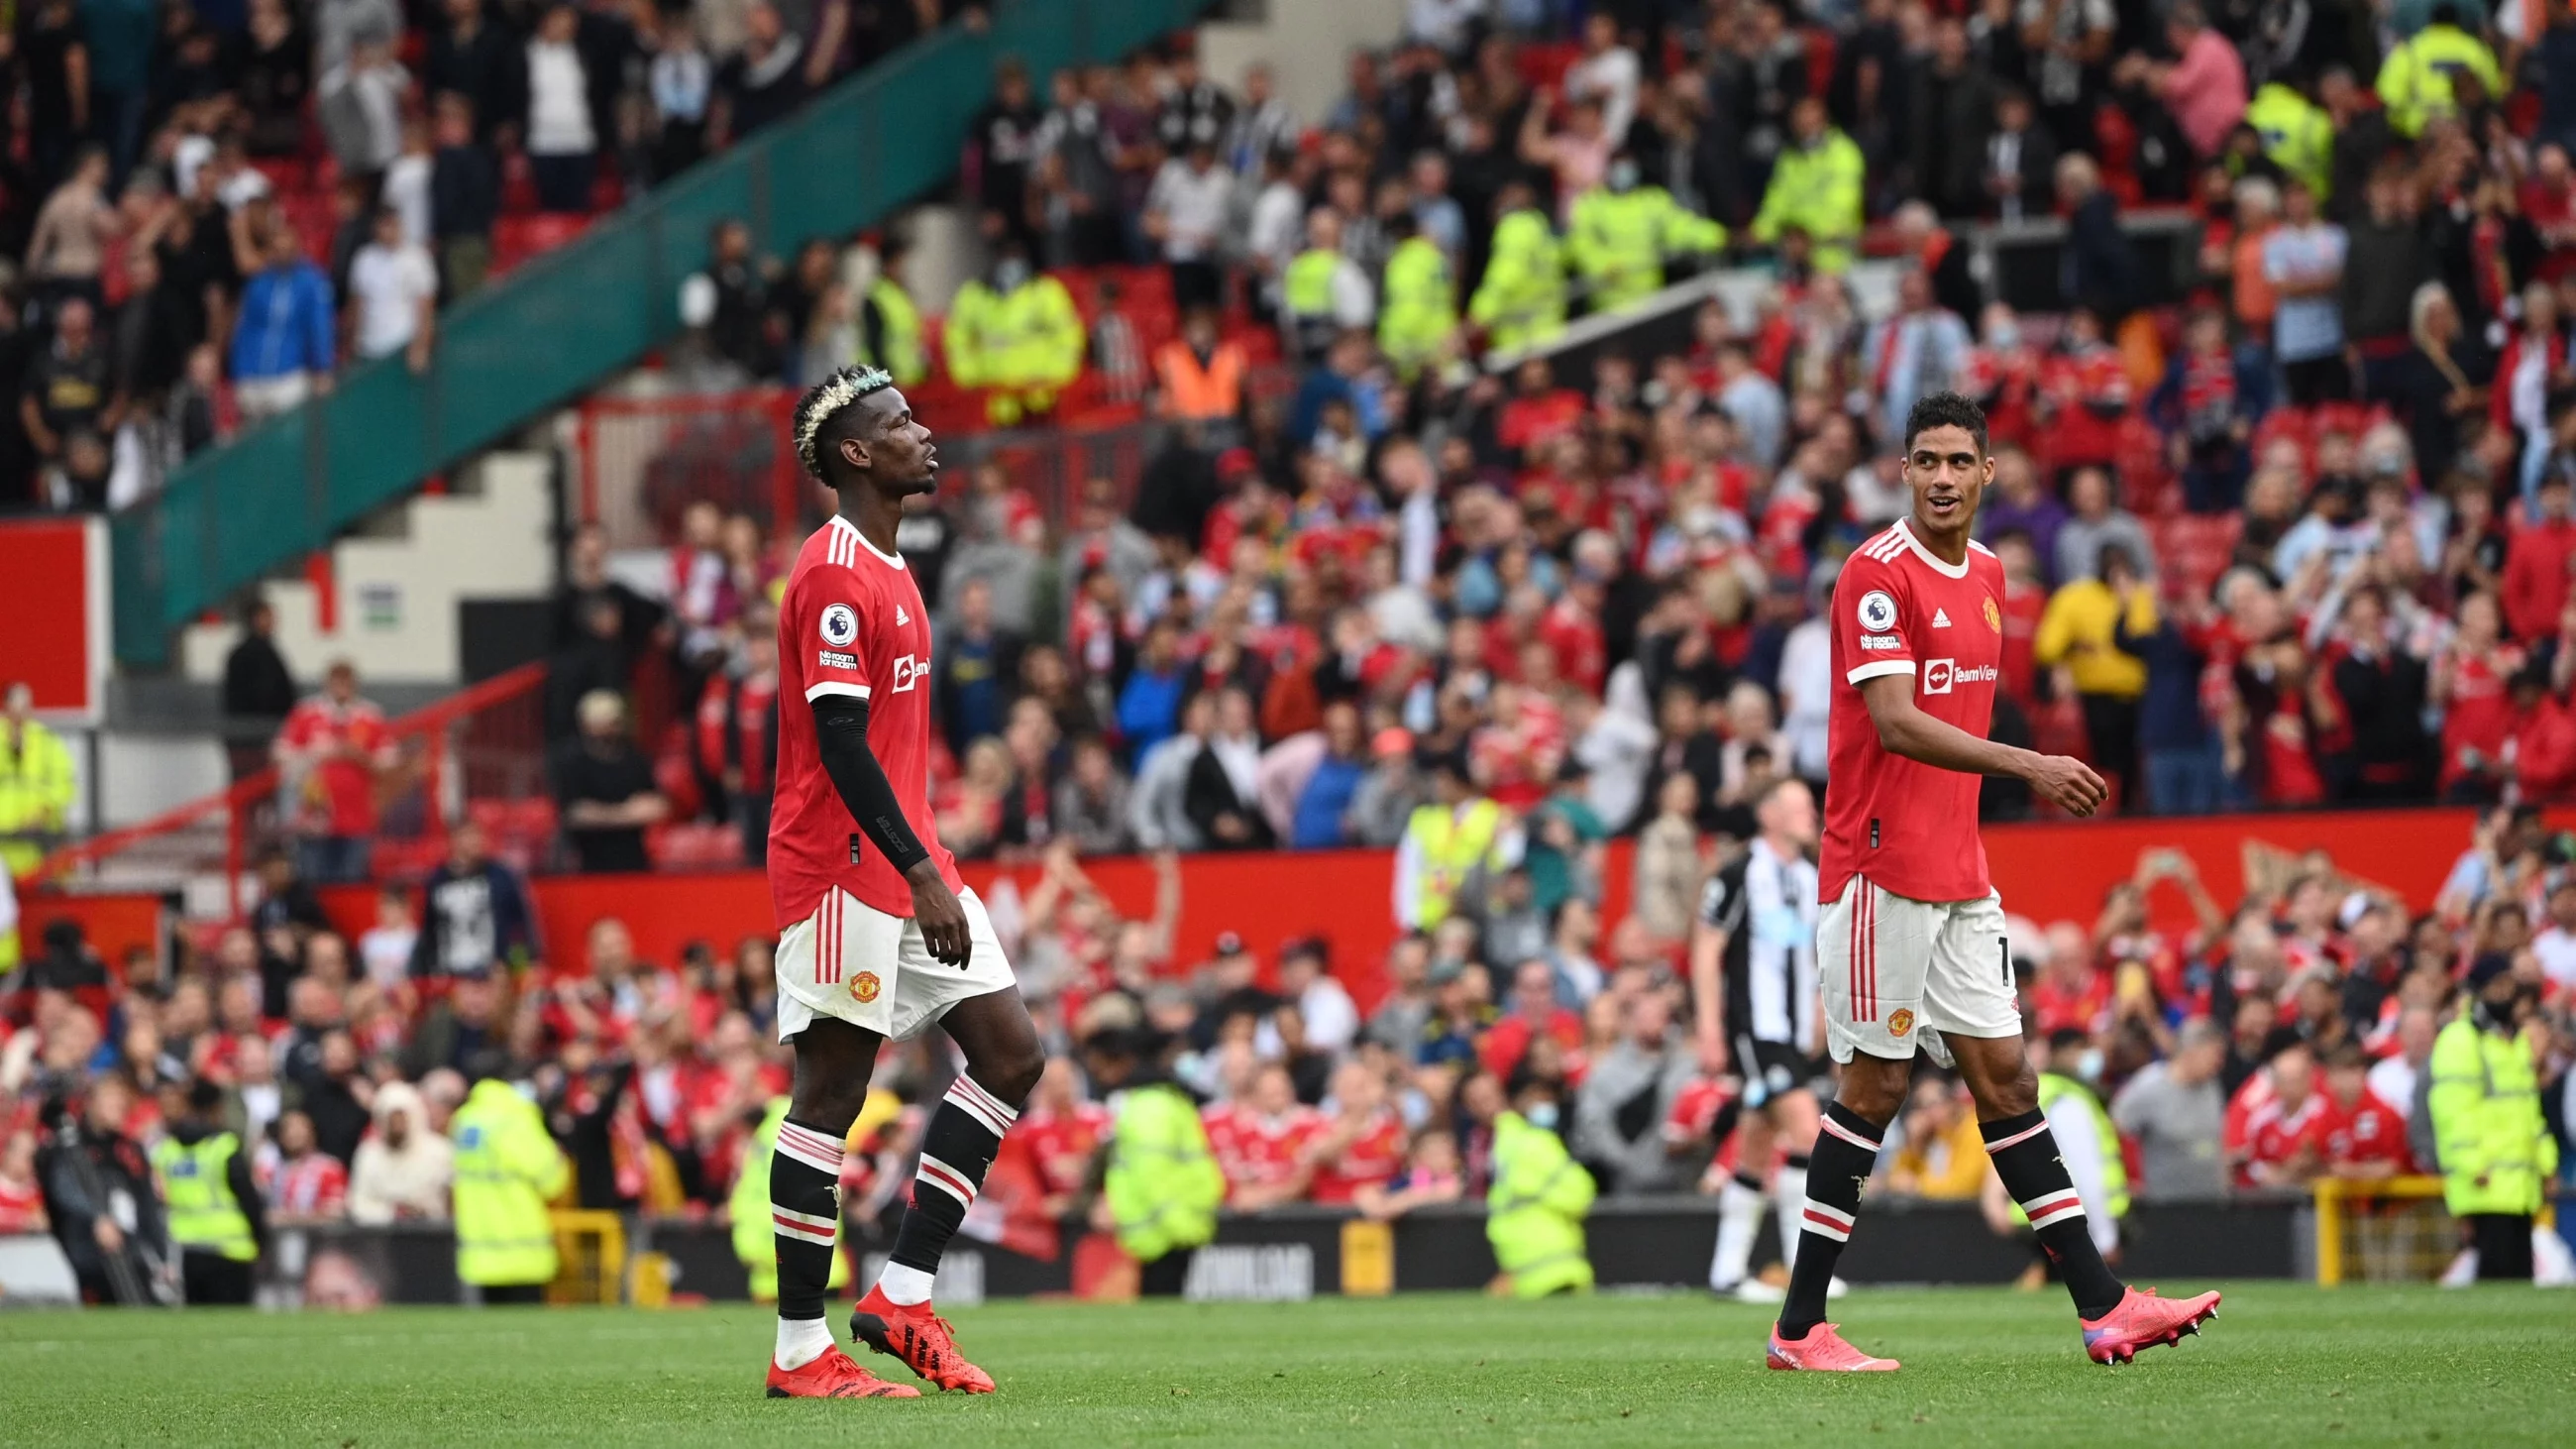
561,142
1090,807
762,83
2303,260
2175,1111
465,197
283,343
403,1169
2101,266
68,252
2536,580
305,1185
71,393
682,82
1222,792
2183,771
393,286
1015,334
605,789
1816,188
361,104
475,916
258,690
329,754
1942,1157
1186,213
1626,1097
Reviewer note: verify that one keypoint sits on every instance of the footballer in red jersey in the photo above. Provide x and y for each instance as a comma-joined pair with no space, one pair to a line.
878,938
1910,947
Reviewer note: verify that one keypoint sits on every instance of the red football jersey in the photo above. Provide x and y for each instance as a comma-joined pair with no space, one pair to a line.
852,623
2371,1131
1908,827
2275,1139
1374,1156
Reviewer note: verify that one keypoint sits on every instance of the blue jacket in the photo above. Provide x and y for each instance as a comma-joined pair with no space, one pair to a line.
1323,803
285,324
2169,713
1149,709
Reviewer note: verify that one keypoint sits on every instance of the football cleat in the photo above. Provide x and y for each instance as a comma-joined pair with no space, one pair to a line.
2143,1320
834,1375
1823,1350
919,1337
1754,1290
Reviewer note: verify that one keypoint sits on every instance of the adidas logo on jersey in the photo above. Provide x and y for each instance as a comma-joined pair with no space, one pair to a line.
1940,619
900,617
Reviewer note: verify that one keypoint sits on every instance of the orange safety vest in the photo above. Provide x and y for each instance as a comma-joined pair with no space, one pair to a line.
1192,391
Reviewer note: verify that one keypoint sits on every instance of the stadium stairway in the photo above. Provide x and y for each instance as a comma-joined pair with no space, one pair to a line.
388,598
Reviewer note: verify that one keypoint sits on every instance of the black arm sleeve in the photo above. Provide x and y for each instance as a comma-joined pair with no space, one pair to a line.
841,738
246,1192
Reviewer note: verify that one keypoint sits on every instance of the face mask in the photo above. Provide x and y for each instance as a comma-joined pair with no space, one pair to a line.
1623,175
2005,337
1010,274
1542,1115
2089,1065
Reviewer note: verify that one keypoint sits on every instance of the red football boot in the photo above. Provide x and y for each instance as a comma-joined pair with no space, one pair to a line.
919,1337
833,1375
1823,1350
2142,1320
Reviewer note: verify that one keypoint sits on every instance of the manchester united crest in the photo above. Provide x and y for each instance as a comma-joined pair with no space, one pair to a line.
1994,615
864,987
1899,1022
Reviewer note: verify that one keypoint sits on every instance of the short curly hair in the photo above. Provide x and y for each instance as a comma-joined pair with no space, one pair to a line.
825,401
1945,410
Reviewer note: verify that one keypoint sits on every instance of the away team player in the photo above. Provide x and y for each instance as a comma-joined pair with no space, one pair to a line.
878,937
1910,945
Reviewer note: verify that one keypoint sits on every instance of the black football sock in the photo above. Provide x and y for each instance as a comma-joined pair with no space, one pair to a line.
805,1214
956,1150
1836,1170
2025,1155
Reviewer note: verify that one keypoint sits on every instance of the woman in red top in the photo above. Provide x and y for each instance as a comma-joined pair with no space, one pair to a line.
2468,684
22,1201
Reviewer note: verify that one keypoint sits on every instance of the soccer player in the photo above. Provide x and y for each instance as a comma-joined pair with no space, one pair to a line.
878,939
1910,948
1753,983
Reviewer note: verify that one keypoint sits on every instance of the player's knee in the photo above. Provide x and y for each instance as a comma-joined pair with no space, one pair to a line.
827,1106
1015,1072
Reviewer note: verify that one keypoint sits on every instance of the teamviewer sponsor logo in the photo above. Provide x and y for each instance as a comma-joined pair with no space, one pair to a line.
1940,674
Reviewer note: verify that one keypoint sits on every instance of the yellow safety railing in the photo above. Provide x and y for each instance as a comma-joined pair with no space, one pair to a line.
591,1249
2393,1241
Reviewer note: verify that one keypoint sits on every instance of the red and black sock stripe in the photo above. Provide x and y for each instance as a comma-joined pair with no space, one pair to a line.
956,1151
1845,1151
2025,1155
805,1214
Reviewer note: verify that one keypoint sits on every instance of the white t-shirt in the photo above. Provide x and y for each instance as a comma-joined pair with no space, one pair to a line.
407,192
558,102
389,285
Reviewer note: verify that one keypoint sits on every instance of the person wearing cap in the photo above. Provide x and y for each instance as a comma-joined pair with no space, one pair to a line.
2494,1150
1535,1210
1816,187
1461,834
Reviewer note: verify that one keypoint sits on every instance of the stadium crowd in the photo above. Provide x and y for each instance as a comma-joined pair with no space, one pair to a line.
213,208
2304,540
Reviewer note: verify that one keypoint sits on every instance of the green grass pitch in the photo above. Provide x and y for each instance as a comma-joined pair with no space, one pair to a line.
2284,1366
